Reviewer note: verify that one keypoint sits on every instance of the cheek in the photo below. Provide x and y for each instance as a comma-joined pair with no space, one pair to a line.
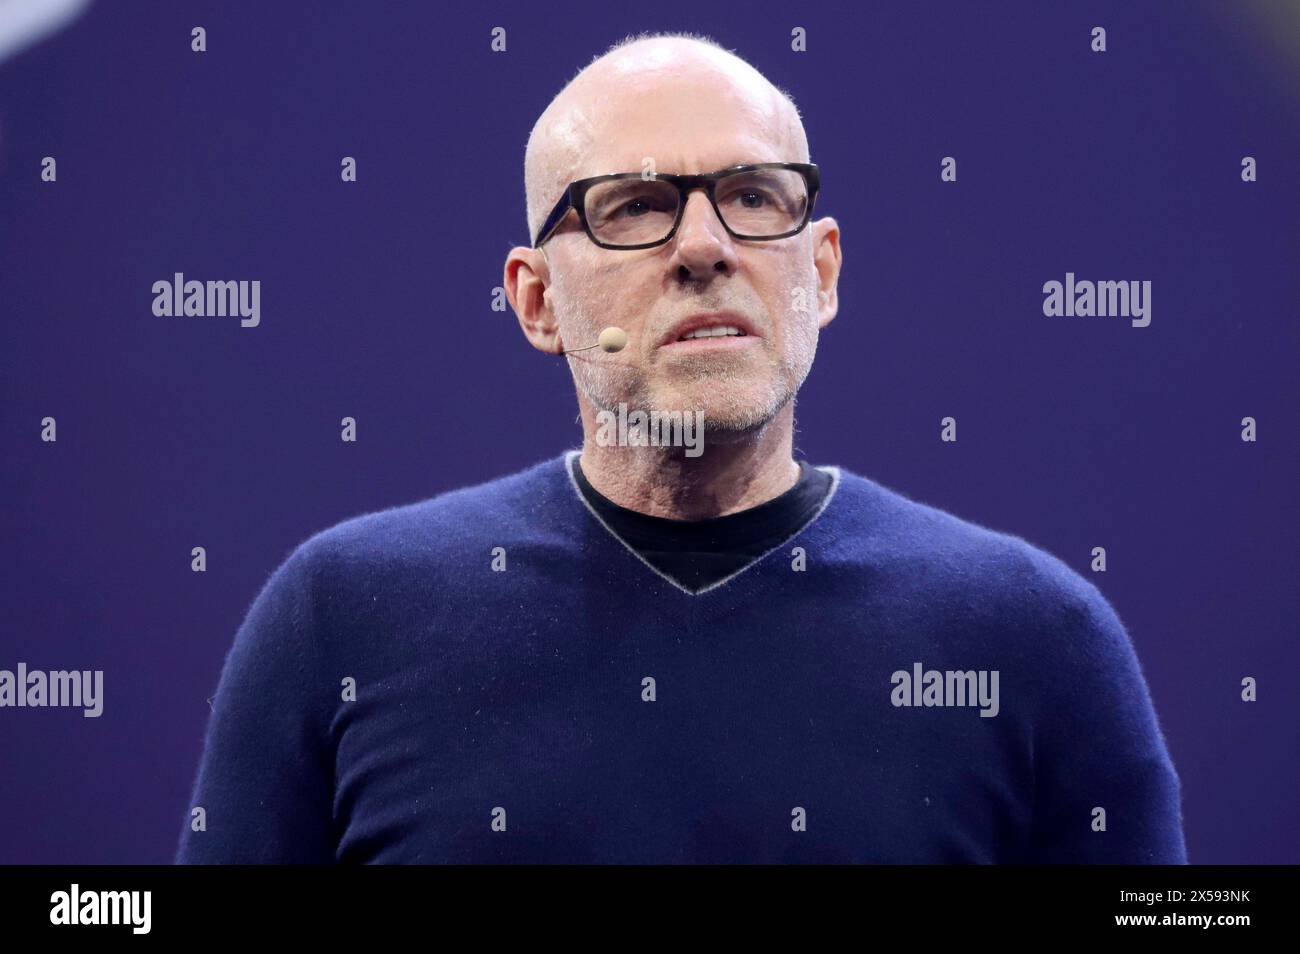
616,297
792,301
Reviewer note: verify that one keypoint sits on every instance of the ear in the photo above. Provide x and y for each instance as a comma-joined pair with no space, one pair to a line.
827,258
527,284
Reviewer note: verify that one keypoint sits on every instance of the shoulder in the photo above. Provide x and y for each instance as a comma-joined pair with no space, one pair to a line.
435,529
933,555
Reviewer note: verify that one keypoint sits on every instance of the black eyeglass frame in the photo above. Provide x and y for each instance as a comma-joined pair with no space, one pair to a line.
575,197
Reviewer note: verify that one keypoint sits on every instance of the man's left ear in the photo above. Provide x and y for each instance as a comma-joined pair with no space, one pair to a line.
827,258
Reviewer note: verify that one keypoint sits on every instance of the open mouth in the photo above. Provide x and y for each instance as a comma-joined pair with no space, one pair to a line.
718,331
717,337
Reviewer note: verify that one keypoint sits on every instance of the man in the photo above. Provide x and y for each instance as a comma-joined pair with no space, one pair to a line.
640,654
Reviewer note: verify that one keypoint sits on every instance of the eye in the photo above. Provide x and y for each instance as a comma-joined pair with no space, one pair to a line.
635,208
749,197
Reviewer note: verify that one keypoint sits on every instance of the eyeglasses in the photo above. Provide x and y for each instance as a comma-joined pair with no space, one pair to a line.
627,210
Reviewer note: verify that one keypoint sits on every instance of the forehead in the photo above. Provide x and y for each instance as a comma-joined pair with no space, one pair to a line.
684,122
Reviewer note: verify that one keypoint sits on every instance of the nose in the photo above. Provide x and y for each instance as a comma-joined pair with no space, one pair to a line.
702,245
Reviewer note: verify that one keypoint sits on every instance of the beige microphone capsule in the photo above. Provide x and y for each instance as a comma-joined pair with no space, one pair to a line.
611,339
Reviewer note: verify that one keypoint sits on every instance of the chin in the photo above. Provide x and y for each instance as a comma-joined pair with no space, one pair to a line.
730,414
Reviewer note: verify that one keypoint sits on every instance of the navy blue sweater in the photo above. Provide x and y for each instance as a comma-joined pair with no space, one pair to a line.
890,684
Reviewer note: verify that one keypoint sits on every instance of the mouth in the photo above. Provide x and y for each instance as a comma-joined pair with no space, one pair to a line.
724,330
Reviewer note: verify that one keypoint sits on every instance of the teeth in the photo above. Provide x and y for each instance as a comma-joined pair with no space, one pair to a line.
717,331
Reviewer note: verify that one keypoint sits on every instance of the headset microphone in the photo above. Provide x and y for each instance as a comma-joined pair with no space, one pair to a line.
611,339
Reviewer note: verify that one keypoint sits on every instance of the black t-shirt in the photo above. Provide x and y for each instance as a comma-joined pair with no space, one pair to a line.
697,553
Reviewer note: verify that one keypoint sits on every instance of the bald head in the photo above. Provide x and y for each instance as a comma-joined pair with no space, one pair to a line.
612,115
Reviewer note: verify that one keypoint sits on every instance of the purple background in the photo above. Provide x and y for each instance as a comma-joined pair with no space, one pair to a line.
376,297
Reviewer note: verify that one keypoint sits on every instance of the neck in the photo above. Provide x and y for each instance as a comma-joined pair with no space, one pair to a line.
742,472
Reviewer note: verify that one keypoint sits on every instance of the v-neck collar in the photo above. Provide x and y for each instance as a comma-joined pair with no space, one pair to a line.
570,461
